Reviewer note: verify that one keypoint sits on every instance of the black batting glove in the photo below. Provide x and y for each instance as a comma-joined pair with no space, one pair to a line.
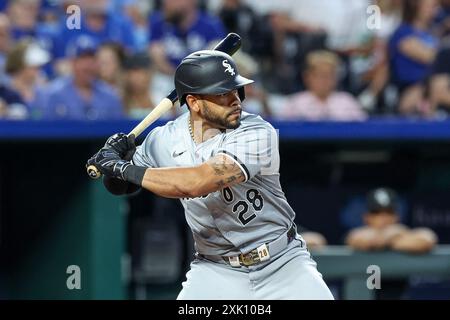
109,163
124,145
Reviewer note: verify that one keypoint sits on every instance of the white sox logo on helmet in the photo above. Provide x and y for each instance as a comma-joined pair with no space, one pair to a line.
228,67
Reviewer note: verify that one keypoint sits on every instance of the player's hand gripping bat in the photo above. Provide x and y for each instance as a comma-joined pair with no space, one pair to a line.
230,44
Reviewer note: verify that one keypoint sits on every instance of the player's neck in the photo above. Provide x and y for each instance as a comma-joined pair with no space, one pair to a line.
201,130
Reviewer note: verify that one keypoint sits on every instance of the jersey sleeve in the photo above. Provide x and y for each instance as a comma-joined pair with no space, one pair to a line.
255,150
144,153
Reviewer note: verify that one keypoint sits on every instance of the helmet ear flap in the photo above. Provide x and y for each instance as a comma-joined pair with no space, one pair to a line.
241,93
182,100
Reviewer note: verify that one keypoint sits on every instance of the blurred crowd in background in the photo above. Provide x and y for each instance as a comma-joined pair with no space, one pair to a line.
312,60
345,60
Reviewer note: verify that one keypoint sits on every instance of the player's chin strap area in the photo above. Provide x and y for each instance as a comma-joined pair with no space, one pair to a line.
260,254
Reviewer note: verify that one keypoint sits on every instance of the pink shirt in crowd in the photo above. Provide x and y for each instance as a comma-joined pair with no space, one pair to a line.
339,106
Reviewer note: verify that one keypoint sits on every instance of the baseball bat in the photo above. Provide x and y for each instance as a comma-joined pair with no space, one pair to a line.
230,44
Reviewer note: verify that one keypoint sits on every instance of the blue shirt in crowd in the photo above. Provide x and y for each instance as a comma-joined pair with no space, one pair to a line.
180,43
3,4
406,71
45,36
116,29
442,15
10,96
62,100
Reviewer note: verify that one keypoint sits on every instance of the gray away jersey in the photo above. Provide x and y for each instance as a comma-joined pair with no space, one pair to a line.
239,218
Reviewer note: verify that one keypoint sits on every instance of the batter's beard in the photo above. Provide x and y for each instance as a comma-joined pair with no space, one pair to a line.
221,122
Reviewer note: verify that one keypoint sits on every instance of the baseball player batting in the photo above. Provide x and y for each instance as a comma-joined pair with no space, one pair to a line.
223,164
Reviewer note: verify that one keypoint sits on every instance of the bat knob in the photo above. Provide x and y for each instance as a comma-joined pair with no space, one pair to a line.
93,172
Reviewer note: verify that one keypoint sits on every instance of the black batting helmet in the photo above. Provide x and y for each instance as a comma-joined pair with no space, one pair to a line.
208,72
382,199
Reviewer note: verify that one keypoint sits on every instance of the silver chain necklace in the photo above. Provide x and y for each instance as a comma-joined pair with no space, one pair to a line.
190,129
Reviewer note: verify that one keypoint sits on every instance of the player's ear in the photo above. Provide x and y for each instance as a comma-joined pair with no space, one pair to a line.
192,103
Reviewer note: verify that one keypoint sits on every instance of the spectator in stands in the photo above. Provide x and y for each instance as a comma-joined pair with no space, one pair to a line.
287,16
350,35
110,57
24,17
412,50
3,104
382,229
11,104
293,37
240,18
440,83
321,101
314,240
98,23
375,78
23,65
5,42
137,98
303,26
441,26
81,96
256,97
49,14
137,12
179,29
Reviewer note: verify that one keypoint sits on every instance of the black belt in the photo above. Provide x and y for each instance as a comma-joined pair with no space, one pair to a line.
260,254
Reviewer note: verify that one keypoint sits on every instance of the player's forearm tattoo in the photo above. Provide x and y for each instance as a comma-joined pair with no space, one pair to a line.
220,168
228,171
231,179
220,184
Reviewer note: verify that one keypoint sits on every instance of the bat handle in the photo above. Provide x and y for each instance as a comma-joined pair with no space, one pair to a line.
93,172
